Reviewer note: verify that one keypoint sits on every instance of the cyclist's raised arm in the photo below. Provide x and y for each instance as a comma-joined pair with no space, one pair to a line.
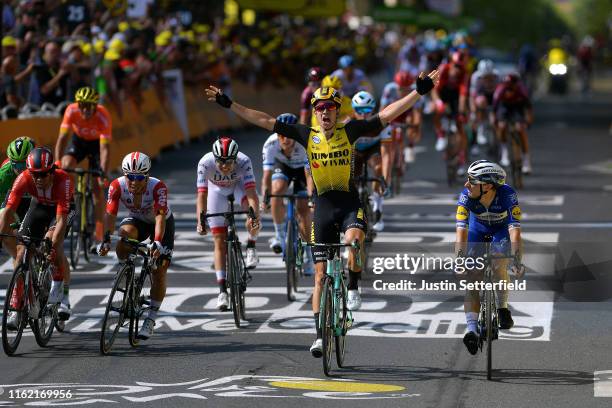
257,118
64,132
424,85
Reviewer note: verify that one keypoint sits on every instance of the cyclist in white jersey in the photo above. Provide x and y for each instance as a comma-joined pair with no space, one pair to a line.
150,217
283,161
353,79
223,172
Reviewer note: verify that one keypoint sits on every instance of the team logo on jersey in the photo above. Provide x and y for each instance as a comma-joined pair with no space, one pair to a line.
316,140
462,213
516,213
360,214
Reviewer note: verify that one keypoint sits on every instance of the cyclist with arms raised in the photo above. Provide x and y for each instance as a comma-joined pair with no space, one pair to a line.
329,146
146,199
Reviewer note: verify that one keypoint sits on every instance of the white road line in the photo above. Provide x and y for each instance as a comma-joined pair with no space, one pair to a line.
602,383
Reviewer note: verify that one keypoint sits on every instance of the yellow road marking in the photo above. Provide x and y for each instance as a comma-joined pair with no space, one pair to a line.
336,386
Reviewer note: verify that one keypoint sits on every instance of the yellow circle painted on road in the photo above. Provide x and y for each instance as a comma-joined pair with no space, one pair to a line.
336,386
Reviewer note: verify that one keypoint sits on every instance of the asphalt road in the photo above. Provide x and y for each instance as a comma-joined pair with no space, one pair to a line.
405,348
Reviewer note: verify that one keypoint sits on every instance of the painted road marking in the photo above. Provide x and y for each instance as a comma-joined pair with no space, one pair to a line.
184,310
602,384
336,386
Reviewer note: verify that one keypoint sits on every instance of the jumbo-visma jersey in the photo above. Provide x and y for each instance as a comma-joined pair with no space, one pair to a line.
504,211
330,160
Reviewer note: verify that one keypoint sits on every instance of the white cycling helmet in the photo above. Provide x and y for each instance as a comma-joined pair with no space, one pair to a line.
363,102
136,163
225,148
486,66
486,172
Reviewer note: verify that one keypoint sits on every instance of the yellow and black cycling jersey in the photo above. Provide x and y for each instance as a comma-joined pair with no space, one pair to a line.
331,159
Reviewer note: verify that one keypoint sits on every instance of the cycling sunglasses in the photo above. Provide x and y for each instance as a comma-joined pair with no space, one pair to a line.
18,165
225,161
136,177
320,107
40,174
362,111
86,106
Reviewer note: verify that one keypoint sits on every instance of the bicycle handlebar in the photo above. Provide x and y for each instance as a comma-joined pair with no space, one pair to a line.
204,216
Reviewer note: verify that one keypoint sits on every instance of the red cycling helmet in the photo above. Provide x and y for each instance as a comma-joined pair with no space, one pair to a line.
458,58
403,79
40,160
314,74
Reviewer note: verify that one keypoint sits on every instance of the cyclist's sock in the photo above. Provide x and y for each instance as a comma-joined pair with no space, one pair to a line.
353,283
472,321
222,287
502,299
99,231
319,332
251,242
376,201
220,276
155,305
279,230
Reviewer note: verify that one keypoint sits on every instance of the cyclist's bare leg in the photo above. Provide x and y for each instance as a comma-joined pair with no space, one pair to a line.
318,286
68,162
278,206
305,218
158,281
123,250
350,236
500,269
219,251
99,206
387,152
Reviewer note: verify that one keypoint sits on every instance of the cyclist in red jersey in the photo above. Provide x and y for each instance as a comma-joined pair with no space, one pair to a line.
511,103
452,91
51,190
314,76
91,128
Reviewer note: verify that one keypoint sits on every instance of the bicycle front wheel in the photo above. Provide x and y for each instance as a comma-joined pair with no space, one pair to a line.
489,305
116,308
90,225
75,232
14,302
327,324
140,292
290,264
340,338
43,325
233,277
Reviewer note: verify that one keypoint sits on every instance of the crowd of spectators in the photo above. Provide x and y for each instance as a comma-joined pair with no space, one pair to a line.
50,48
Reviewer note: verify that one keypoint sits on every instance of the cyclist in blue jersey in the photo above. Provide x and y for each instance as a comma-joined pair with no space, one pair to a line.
488,211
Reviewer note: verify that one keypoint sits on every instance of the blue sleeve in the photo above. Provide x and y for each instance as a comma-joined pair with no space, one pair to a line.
463,211
511,204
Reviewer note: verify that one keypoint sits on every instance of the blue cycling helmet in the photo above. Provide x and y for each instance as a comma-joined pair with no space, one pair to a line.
346,61
363,102
287,118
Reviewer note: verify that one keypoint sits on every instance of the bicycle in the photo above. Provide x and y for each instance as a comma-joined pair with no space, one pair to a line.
83,222
488,320
364,191
127,299
334,317
33,277
515,148
293,248
238,275
397,169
